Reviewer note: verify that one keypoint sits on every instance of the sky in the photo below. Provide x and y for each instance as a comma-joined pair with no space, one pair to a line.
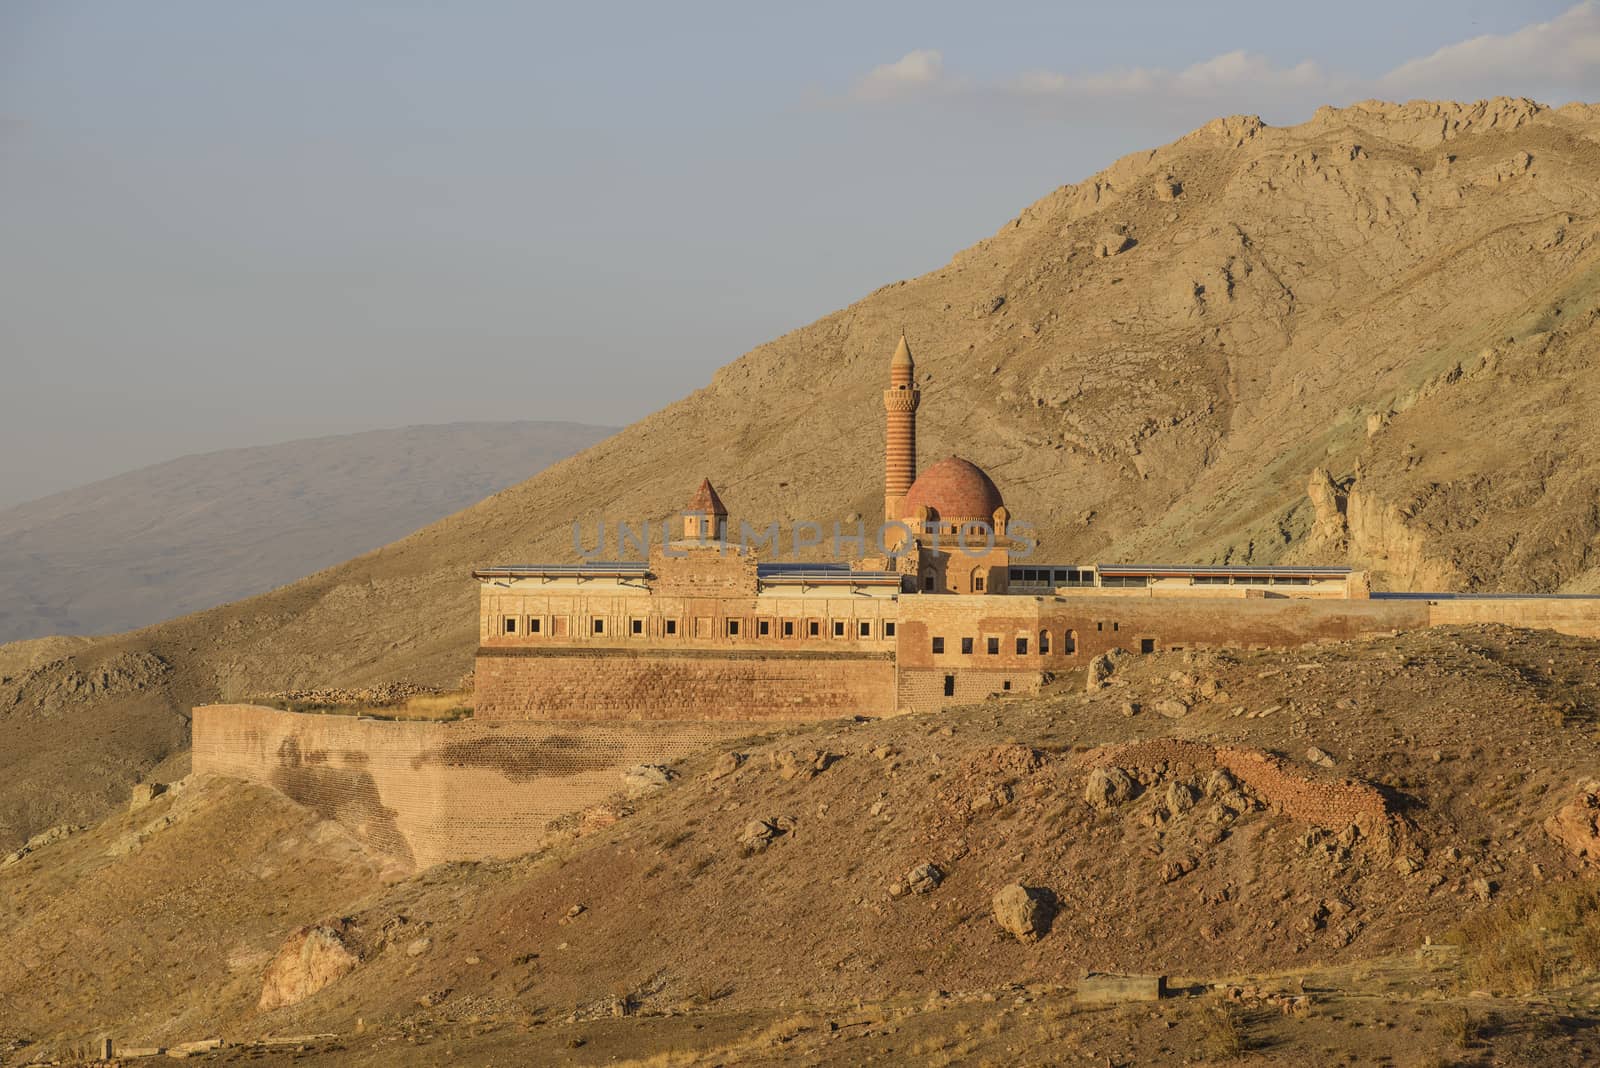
227,223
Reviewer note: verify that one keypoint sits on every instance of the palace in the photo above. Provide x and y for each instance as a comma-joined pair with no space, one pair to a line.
704,629
586,670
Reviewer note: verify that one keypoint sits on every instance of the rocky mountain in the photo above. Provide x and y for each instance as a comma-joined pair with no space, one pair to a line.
203,530
1388,305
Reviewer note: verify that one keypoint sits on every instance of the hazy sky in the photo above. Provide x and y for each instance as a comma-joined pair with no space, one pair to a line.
227,223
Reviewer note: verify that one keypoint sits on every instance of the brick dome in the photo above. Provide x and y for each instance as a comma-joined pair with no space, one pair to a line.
955,490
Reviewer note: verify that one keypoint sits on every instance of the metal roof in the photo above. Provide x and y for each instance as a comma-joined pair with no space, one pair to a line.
593,569
1219,569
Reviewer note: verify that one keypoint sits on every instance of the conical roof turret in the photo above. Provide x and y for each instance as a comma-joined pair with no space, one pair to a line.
901,367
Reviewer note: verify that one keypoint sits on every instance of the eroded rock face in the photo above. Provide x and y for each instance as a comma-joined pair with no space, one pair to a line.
1576,824
312,958
1024,911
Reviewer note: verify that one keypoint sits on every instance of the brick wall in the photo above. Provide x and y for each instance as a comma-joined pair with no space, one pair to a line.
1078,628
681,684
925,691
432,792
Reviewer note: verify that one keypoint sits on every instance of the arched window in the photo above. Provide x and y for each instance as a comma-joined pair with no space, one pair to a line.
1069,643
1044,641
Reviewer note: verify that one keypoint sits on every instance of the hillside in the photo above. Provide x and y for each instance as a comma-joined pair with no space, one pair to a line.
203,530
1152,363
665,935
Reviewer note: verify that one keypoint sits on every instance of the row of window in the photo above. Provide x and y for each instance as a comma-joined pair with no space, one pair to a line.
1069,644
1026,576
638,627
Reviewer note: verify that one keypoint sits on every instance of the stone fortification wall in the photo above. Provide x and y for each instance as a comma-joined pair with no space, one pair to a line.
432,792
681,684
1578,616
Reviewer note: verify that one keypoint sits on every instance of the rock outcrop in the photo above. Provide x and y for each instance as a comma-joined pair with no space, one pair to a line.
312,958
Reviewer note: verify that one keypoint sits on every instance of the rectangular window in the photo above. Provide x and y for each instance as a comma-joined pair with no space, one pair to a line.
672,626
1016,574
1006,685
1099,625
1147,645
994,646
838,628
599,626
938,645
888,629
763,628
533,624
788,628
813,628
511,626
977,583
637,626
733,628
1022,647
865,630
966,646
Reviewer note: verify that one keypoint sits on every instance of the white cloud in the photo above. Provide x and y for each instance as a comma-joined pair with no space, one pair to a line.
914,71
1560,55
1554,61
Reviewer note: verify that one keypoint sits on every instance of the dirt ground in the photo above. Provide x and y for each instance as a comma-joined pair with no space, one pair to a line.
1451,929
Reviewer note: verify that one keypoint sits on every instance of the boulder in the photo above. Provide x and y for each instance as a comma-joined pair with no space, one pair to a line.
642,778
924,878
1108,787
1318,757
1099,671
1023,911
1172,708
144,793
1576,824
312,958
1180,798
725,765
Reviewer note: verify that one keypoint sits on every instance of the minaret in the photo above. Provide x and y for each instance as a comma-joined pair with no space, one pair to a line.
900,400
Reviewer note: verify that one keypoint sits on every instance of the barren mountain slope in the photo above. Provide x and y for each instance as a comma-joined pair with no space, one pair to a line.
1458,743
203,530
1151,363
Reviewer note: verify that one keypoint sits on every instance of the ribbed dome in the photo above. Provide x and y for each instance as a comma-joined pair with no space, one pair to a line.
955,490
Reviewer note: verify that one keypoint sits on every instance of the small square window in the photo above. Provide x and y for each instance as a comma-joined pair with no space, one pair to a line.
534,625
733,628
638,626
599,626
788,628
1022,647
763,628
1006,684
672,626
1115,626
938,645
865,630
813,628
966,646
994,646
838,628
511,626
888,629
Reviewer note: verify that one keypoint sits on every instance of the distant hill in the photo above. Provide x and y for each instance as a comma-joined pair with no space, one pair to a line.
203,530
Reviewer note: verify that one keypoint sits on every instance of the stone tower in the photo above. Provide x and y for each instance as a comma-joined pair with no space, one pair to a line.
900,400
705,518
